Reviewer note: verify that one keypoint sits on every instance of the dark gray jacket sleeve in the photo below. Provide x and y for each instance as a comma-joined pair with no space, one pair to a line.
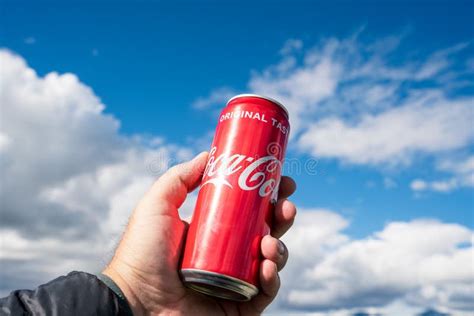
78,293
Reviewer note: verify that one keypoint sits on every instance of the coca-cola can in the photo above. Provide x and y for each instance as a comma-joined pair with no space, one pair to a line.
234,208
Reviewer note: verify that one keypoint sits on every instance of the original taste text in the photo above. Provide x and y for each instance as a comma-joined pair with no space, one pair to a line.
255,116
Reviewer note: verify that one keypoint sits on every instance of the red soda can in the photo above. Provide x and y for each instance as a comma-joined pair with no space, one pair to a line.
234,208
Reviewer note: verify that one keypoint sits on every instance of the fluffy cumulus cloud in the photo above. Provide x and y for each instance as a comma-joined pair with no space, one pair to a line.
69,179
355,101
416,264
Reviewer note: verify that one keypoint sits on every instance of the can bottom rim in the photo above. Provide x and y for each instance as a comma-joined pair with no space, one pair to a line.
218,285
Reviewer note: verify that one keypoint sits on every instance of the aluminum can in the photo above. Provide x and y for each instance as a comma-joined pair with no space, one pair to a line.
235,203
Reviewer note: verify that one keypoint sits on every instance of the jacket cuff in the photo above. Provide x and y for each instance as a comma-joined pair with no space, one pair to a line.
116,289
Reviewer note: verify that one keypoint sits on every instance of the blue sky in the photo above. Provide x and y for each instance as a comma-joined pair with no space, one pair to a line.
164,69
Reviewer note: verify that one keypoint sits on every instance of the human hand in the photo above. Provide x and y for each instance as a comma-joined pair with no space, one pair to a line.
145,264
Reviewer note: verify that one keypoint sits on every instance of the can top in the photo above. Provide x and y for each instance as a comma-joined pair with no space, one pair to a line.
261,97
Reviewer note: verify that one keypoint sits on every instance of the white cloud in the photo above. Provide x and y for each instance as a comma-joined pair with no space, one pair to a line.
292,45
302,83
438,62
461,175
70,179
424,124
421,263
418,185
217,97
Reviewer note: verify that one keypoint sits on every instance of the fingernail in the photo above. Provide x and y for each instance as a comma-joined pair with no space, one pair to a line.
199,155
281,248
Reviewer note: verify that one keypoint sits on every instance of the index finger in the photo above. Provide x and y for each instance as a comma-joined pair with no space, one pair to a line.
287,187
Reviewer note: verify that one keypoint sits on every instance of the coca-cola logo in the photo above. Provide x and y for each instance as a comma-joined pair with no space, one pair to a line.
260,174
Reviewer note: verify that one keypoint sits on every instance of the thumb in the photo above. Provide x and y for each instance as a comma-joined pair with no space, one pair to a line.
173,186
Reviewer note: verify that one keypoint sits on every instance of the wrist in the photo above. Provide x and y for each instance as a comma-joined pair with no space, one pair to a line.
130,294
